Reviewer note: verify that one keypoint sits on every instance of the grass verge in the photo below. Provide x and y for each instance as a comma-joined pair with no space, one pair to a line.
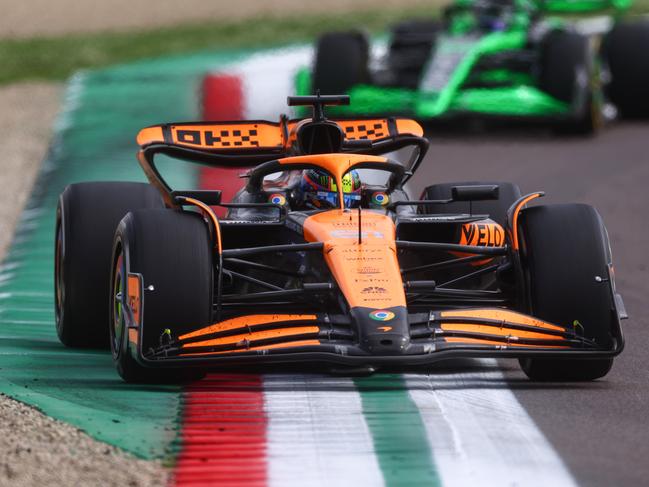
56,58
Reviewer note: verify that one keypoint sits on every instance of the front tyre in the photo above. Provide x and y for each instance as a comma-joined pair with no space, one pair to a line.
171,251
567,259
568,72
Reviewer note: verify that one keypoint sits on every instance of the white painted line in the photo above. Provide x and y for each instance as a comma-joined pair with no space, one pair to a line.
317,434
480,434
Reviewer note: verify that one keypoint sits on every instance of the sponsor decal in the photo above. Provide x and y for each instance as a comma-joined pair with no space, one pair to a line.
436,218
372,280
369,270
353,224
277,199
483,234
380,198
384,329
354,234
382,315
374,290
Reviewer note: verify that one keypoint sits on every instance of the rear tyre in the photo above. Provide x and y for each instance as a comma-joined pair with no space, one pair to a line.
410,47
568,73
565,249
341,61
171,250
86,218
622,50
496,209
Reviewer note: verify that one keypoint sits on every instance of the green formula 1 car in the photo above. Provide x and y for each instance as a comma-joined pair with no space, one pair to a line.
503,58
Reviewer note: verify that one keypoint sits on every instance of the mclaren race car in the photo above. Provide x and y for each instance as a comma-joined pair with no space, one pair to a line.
322,258
497,59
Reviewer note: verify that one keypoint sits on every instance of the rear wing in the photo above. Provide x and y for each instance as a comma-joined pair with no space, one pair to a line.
259,138
249,143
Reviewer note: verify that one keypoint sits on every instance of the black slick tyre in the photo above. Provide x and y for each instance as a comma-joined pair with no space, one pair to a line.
411,44
86,218
566,255
496,209
569,74
629,68
341,61
171,251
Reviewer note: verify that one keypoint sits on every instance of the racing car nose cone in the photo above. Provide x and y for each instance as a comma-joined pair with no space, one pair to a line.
382,331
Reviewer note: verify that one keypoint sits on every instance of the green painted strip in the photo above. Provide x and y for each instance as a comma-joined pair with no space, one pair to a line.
398,432
95,140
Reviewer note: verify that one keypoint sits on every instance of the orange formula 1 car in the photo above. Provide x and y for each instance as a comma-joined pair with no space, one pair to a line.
322,258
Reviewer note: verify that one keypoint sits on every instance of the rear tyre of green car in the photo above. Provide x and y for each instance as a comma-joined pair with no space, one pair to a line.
171,251
628,65
566,255
568,72
341,61
86,218
411,43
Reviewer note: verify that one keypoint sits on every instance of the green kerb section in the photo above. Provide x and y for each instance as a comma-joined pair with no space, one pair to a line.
398,432
94,140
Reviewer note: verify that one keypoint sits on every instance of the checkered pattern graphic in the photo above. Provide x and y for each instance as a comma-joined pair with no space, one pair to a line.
363,130
219,138
236,138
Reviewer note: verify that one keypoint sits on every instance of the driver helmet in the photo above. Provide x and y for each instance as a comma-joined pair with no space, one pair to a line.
318,189
492,14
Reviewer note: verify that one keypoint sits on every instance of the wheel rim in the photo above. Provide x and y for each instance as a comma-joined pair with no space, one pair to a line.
59,281
117,304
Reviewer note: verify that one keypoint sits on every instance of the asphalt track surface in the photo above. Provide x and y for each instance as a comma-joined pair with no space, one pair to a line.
599,429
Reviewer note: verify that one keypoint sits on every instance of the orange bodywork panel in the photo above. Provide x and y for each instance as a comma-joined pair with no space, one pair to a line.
501,315
246,321
297,343
256,335
505,316
368,272
230,135
134,287
517,211
483,233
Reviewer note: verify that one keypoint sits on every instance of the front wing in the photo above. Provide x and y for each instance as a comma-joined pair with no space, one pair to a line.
324,338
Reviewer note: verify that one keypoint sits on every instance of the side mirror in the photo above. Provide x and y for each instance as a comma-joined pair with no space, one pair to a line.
475,193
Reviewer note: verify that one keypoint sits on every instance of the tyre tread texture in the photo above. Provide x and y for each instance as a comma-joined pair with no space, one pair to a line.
565,248
171,250
91,213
